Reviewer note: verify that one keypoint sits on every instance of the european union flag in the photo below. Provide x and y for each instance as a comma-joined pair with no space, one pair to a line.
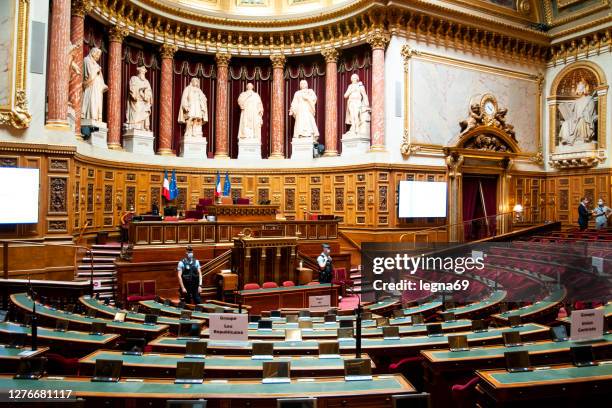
173,187
227,186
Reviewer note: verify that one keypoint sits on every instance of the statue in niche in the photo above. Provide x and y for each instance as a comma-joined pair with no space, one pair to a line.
303,111
357,109
93,86
140,101
194,110
578,117
251,117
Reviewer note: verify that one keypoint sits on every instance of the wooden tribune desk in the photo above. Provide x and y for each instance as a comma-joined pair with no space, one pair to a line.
239,212
331,391
287,297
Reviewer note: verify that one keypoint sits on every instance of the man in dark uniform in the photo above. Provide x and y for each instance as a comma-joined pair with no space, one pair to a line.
190,277
583,213
325,265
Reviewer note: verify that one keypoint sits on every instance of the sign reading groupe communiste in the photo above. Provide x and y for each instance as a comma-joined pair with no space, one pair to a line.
587,324
228,326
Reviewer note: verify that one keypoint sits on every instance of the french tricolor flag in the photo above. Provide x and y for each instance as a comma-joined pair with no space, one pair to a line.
166,186
218,189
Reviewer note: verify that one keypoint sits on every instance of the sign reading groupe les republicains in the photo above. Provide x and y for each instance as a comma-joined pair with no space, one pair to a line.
228,326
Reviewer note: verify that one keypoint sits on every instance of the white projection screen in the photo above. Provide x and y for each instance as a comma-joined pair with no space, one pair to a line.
422,199
19,195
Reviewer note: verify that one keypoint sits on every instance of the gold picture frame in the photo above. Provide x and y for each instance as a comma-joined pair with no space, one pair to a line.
14,39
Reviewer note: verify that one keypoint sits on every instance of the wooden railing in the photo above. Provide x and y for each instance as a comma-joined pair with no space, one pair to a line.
216,263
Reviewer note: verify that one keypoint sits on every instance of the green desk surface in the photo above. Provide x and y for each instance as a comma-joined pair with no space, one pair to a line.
498,351
495,297
422,308
367,343
140,317
285,289
68,336
24,302
16,353
330,330
381,305
220,362
214,306
549,301
321,387
151,304
556,374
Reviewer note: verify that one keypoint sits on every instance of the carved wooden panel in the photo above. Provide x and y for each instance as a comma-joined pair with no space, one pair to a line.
59,165
383,176
339,199
90,197
208,193
90,173
181,198
361,199
315,180
155,196
130,197
108,198
236,193
263,194
339,179
263,180
130,177
9,161
315,199
109,175
108,221
563,200
155,178
58,195
77,196
382,198
289,199
289,180
57,225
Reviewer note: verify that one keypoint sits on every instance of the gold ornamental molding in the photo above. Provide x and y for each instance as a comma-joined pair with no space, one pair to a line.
14,111
553,20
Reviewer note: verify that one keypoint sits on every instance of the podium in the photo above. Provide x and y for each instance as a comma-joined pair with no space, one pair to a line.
265,259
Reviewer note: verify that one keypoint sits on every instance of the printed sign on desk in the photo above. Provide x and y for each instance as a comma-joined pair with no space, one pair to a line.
228,326
320,302
598,263
587,324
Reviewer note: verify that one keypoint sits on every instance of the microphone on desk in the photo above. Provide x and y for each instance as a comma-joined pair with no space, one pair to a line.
358,334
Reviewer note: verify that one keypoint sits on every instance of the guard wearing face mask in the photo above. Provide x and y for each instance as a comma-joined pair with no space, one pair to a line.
190,277
601,213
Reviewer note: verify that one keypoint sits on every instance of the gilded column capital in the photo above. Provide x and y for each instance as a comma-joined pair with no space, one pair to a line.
80,8
330,55
378,39
117,33
278,60
167,50
222,59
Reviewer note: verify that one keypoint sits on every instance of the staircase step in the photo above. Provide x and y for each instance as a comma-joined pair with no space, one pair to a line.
105,266
106,252
110,245
98,259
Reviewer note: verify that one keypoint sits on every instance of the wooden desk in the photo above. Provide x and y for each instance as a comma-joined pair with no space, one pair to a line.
443,368
481,309
543,311
70,342
286,297
9,357
48,288
330,391
558,386
49,315
152,365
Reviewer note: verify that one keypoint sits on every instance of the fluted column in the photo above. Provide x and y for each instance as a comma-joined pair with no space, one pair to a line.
331,101
58,74
277,109
77,31
222,114
164,146
115,36
378,40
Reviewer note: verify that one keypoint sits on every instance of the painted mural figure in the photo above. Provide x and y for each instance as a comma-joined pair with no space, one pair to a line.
579,118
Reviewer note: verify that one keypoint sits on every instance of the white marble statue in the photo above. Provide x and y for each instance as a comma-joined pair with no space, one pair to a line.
194,109
93,86
251,117
578,118
303,111
140,100
357,109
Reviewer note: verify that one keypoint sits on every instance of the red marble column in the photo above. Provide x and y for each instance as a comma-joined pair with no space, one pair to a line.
165,100
277,107
222,114
58,74
378,40
331,101
77,29
115,37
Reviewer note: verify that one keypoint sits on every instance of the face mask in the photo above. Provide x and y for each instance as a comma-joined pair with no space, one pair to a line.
600,204
190,255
